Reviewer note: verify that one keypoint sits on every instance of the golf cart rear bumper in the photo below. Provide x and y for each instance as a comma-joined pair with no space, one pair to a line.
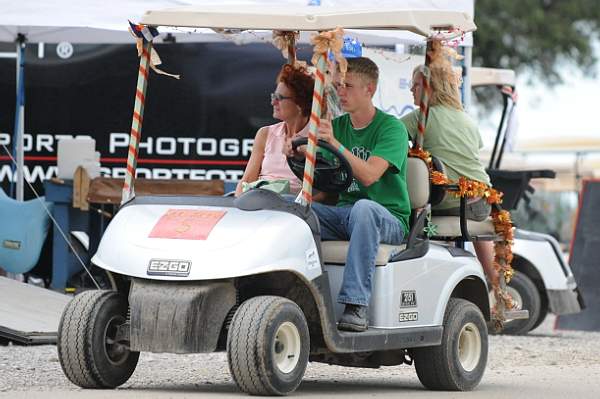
565,301
178,317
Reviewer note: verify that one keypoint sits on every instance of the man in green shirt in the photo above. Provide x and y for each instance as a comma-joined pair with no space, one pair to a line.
375,208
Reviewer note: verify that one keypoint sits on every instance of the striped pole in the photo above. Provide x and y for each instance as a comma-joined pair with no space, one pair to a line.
315,118
136,123
425,94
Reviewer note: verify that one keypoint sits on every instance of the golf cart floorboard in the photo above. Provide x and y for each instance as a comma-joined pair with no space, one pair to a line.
516,314
387,338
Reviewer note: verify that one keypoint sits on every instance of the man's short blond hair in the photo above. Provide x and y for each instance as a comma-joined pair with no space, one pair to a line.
364,67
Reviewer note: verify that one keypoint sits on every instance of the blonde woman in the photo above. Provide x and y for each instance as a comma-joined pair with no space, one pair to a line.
453,138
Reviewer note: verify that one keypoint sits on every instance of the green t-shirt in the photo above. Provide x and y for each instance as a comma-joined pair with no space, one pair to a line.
385,137
452,137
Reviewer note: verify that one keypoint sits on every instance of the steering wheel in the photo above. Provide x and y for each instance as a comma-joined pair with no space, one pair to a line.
333,173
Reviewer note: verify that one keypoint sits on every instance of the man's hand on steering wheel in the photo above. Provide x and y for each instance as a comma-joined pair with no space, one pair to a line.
332,172
325,132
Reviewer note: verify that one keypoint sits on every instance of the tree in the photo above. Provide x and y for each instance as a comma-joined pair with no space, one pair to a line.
538,36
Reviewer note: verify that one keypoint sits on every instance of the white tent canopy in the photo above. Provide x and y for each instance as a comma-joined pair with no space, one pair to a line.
89,21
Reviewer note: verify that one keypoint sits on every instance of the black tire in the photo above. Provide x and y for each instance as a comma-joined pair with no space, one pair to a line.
441,367
253,351
88,355
530,300
541,317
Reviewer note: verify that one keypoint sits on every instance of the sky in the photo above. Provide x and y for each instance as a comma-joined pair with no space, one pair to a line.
569,109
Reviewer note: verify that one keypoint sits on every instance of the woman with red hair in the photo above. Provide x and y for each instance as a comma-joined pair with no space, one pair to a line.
292,102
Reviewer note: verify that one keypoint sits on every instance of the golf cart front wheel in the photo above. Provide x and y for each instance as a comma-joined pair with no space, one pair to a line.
268,345
91,352
459,362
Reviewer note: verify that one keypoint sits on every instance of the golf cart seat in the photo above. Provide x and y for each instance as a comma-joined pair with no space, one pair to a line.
417,175
457,228
448,228
22,232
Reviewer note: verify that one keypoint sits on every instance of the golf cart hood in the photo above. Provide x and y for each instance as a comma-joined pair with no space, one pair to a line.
187,242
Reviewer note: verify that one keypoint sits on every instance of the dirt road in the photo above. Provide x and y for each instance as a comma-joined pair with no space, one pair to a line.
544,364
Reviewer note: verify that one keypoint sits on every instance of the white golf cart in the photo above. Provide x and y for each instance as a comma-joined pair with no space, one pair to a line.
250,275
543,282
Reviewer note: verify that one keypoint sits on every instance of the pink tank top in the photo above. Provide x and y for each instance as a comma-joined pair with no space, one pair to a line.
274,164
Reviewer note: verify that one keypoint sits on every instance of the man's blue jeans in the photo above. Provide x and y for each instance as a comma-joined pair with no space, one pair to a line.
365,224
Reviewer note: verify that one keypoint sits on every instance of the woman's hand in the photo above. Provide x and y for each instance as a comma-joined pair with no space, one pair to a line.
288,151
287,147
238,189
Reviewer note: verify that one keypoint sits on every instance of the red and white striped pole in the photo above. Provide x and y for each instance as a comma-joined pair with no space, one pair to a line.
425,94
136,123
315,119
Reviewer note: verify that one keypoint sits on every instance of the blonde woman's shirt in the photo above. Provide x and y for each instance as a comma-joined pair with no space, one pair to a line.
452,137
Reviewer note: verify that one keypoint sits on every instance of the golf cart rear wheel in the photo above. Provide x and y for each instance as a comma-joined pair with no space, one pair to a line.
542,316
459,362
526,296
91,353
267,346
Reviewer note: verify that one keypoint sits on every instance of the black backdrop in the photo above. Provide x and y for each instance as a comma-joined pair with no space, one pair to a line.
201,126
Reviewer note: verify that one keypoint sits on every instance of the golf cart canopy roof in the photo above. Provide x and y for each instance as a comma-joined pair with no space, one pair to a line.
492,76
420,21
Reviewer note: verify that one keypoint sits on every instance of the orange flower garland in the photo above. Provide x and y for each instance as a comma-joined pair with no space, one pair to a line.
502,226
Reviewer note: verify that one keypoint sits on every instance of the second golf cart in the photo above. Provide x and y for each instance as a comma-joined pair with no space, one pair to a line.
543,282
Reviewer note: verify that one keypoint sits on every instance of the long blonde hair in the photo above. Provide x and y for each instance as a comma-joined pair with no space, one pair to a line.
444,80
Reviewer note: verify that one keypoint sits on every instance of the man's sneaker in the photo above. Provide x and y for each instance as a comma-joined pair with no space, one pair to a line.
354,318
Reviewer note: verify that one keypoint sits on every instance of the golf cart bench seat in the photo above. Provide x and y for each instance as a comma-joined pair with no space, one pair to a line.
447,227
334,252
418,191
421,194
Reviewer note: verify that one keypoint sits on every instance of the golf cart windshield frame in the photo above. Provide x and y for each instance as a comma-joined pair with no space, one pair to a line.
420,21
423,22
501,78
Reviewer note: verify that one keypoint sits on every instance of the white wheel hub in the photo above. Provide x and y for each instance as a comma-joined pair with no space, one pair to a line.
286,347
514,294
469,346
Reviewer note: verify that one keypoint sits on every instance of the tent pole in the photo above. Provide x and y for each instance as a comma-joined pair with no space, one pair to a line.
18,135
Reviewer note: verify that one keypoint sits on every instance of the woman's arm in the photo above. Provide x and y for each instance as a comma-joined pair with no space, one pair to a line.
255,162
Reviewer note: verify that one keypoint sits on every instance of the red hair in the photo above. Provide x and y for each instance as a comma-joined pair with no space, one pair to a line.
301,84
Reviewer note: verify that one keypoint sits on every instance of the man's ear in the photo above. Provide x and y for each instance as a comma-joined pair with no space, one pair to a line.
371,88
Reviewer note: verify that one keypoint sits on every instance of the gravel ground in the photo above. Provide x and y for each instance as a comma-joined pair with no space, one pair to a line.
542,356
